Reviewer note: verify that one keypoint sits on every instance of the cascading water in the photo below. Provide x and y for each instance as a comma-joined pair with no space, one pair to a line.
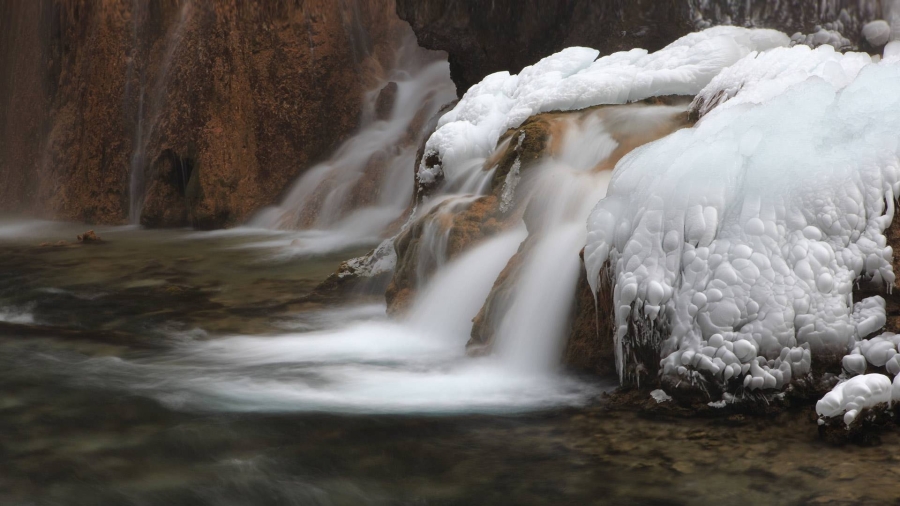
419,363
353,197
561,193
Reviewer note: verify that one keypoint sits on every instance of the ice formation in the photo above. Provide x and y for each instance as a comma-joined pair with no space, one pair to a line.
575,79
881,351
759,78
822,37
877,32
736,243
851,396
660,396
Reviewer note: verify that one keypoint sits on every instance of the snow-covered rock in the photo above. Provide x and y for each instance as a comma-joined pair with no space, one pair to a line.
761,77
575,79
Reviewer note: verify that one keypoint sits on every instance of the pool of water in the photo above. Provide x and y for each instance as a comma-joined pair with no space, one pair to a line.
176,368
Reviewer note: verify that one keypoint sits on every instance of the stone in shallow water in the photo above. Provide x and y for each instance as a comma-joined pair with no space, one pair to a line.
89,237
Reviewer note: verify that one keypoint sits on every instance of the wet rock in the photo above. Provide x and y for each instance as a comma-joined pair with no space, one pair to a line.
365,276
486,36
89,237
489,317
464,222
384,104
590,347
173,190
865,429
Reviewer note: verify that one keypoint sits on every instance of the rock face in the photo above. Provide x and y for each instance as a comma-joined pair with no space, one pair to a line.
590,345
193,111
486,36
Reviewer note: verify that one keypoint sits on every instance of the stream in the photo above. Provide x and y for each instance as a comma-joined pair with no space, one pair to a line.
180,367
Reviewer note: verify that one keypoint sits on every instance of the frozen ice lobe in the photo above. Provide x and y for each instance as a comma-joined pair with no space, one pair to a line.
575,78
754,224
847,399
880,351
877,33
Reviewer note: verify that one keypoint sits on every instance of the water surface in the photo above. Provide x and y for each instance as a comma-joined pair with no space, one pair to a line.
175,367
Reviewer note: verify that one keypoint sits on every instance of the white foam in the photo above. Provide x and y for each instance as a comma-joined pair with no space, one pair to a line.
416,365
16,315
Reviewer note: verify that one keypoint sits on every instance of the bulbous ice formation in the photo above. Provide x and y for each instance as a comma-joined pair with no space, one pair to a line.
741,238
850,397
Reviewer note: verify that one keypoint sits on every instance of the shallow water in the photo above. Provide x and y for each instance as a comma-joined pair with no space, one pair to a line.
174,367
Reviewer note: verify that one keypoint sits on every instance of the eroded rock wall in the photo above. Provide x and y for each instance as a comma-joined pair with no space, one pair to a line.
213,107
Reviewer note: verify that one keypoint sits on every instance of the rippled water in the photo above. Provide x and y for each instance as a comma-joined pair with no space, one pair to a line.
174,367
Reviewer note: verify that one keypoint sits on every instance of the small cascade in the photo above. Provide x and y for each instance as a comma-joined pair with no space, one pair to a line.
435,235
367,183
558,197
468,281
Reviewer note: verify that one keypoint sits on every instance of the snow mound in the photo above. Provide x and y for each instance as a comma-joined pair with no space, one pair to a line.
763,76
575,79
740,239
851,396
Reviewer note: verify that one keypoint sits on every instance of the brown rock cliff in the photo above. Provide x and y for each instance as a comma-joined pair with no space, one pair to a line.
238,97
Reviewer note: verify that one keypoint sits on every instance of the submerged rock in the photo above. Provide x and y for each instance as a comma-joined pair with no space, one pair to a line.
89,237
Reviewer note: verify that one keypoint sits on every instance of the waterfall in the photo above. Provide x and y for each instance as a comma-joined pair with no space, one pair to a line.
149,112
561,194
418,363
367,183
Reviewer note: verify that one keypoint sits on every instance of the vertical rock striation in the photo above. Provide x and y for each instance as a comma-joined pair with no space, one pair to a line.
178,111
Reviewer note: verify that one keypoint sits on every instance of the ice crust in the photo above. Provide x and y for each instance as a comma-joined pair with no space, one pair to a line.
575,79
742,236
